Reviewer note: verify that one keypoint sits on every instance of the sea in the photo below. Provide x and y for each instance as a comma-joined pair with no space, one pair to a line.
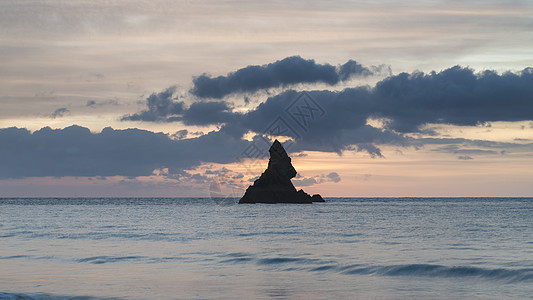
210,248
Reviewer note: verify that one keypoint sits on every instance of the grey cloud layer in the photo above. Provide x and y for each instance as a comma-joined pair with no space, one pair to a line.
408,101
75,151
454,96
405,101
285,72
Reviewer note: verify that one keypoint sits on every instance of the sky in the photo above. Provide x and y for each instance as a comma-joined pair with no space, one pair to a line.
183,98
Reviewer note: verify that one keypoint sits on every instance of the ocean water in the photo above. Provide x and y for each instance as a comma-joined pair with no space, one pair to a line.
200,248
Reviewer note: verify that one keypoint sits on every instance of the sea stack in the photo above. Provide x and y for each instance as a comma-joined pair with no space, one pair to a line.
274,185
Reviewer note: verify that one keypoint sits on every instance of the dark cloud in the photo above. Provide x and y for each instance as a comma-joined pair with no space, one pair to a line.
75,151
406,101
180,134
334,121
160,107
60,112
205,113
464,157
94,104
342,126
454,96
351,69
285,72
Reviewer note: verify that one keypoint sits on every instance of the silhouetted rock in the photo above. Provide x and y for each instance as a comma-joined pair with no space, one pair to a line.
274,185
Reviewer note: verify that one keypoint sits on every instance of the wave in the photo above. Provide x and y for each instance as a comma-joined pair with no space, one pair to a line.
99,260
427,270
28,296
108,259
413,270
101,235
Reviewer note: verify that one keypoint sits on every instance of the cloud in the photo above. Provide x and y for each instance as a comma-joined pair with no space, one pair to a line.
226,176
180,134
94,104
352,69
206,113
335,121
468,151
464,157
334,177
288,71
302,181
342,126
467,147
60,112
406,102
160,107
75,151
454,96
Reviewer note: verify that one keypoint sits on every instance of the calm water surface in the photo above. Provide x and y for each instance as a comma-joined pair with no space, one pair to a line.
187,248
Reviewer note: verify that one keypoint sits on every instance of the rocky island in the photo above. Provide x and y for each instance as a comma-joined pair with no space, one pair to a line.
274,185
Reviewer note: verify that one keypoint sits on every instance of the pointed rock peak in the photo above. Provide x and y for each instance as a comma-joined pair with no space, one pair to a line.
277,148
280,162
274,185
